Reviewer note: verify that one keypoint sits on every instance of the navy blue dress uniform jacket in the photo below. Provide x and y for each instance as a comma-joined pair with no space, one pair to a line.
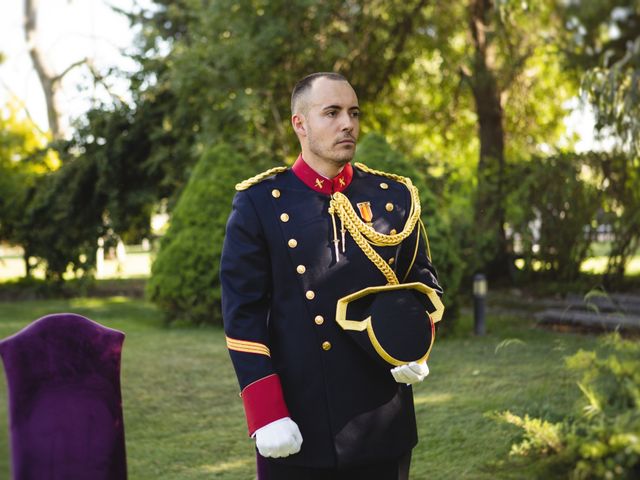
280,283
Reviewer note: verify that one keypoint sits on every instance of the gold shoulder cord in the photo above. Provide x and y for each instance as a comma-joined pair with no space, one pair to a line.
249,182
364,235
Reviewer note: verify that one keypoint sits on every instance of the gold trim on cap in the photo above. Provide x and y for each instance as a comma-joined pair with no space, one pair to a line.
393,231
436,315
362,325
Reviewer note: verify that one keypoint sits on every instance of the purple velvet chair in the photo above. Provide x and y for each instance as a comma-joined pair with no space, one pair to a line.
65,406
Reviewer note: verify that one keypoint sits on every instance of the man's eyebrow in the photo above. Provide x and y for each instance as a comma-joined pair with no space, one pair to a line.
339,107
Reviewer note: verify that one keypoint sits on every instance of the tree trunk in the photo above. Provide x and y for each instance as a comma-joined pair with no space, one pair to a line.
27,266
50,81
489,205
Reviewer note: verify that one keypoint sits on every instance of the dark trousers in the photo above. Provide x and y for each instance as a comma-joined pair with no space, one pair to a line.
390,470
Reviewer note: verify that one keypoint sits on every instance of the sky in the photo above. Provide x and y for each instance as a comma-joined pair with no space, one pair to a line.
75,29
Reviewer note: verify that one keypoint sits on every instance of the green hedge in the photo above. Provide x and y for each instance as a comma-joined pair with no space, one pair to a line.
184,279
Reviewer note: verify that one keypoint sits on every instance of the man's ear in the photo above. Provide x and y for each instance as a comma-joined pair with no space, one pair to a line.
298,122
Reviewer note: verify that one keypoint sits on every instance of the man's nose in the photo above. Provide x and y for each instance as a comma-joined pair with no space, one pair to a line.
348,122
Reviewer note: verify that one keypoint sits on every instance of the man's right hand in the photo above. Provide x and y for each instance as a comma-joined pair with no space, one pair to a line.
410,373
278,439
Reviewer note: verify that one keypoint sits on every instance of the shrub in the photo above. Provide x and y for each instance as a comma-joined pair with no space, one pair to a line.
553,210
602,439
184,277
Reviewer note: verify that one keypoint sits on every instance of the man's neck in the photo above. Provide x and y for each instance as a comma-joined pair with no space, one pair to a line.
325,168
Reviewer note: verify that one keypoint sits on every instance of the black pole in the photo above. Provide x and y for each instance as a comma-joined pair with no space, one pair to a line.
479,295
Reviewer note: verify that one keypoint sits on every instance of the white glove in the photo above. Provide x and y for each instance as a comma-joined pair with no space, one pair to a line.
410,373
278,439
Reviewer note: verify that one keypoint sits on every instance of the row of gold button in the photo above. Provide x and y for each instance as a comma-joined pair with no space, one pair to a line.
310,294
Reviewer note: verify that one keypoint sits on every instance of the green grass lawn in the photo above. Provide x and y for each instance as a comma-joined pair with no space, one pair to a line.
184,419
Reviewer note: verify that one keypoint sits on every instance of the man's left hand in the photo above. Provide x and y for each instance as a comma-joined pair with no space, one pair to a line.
410,373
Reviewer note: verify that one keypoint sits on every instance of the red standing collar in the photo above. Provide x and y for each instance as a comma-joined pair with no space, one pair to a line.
321,184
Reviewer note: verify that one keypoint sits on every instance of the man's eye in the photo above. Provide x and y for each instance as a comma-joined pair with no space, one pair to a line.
331,113
355,114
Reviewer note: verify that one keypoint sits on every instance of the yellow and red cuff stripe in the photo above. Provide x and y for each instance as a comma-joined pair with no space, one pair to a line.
264,402
247,346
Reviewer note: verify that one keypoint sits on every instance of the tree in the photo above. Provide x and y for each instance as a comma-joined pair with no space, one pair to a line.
226,69
49,80
507,39
221,72
482,78
24,158
554,210
618,176
62,219
604,39
474,105
229,68
117,141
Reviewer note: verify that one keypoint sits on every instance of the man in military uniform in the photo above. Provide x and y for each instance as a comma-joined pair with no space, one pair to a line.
317,405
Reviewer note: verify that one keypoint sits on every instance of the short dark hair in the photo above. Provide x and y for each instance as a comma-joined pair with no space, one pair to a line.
307,82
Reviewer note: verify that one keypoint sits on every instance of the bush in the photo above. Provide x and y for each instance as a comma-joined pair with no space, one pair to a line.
376,153
602,439
552,210
184,279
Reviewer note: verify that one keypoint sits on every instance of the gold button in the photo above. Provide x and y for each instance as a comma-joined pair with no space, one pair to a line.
326,346
319,319
391,260
393,231
389,207
384,186
293,243
284,217
301,269
275,193
310,294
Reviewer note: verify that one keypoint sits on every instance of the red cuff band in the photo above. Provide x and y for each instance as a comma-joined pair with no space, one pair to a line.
264,402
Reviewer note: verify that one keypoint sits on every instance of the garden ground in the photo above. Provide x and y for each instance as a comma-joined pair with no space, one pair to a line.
184,419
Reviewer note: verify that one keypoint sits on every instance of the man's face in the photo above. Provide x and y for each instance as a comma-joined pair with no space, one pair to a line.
332,121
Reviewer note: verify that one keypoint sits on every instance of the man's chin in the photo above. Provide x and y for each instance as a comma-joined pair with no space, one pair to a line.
345,156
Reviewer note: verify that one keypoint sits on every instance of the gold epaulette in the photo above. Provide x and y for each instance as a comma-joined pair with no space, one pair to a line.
258,178
392,176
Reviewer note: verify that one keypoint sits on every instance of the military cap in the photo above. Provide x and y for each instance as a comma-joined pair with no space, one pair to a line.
392,323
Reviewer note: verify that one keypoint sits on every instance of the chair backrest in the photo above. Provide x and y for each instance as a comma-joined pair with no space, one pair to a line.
65,404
